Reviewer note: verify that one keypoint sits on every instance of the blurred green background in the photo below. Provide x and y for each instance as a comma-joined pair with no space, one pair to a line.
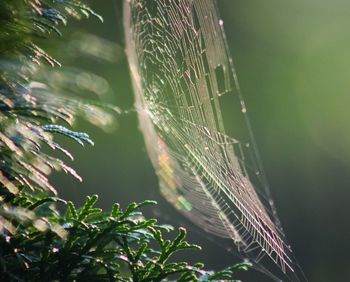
293,63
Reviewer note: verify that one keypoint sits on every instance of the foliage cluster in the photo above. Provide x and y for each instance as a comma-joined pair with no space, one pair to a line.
37,242
87,244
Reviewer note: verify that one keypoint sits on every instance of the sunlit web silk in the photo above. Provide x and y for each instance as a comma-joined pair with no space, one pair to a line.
181,70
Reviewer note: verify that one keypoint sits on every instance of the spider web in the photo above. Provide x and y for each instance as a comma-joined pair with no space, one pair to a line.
184,82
